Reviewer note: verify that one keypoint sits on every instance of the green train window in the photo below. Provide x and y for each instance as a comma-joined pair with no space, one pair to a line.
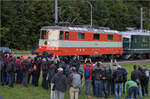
119,37
66,35
61,35
110,37
135,41
81,36
145,39
43,34
96,36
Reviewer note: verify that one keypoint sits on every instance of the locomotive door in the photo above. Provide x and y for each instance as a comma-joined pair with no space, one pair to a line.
47,36
126,45
44,37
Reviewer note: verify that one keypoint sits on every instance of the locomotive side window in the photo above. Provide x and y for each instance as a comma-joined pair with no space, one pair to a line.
109,37
119,37
43,34
96,36
81,36
61,35
66,35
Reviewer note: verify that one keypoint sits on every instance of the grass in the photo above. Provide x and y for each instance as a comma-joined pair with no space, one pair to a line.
20,92
14,51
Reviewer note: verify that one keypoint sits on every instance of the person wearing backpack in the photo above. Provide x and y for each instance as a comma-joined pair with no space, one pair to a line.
44,73
88,68
118,80
136,76
146,76
7,60
51,73
60,84
11,72
97,80
113,67
2,71
34,72
81,71
108,76
26,66
37,62
30,70
18,70
125,73
75,79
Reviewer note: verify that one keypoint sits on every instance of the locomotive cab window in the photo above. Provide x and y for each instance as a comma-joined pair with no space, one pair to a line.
43,34
110,37
81,36
61,35
96,36
66,35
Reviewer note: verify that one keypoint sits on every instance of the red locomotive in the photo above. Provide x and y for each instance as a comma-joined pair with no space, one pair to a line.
69,41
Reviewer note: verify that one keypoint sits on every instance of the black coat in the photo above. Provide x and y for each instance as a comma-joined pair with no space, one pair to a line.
136,76
11,67
26,65
2,65
60,82
44,67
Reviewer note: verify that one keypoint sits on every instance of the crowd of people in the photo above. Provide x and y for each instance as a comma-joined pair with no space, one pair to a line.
97,79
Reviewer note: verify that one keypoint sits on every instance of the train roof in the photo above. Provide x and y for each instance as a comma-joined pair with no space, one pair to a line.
137,32
82,29
96,29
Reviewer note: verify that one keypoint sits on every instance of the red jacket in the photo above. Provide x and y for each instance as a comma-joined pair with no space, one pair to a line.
20,63
90,68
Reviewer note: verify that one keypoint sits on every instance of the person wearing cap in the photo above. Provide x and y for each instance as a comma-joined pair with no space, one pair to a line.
60,84
74,80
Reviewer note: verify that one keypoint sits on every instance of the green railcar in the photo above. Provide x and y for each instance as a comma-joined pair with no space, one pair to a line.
136,44
140,44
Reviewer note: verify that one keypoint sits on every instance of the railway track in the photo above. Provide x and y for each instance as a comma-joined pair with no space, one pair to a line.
131,61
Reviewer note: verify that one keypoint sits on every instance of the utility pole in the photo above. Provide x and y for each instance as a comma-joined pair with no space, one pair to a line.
91,12
149,14
56,12
141,19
